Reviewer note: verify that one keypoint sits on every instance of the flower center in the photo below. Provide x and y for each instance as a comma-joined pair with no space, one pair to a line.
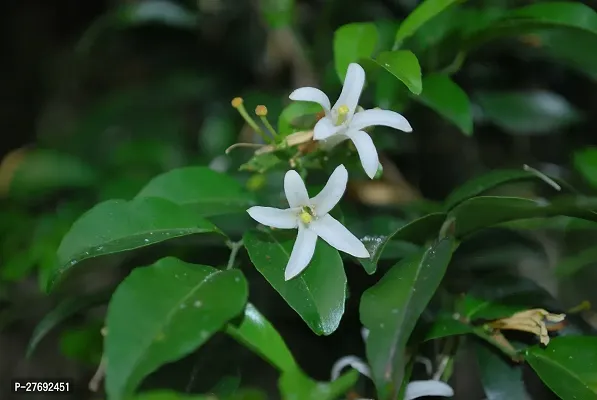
342,112
306,214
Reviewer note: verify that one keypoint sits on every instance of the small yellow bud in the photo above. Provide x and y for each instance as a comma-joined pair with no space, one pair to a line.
261,111
237,102
343,109
305,217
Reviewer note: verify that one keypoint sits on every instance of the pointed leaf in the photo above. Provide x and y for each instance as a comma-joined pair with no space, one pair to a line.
295,385
445,326
163,312
296,115
353,42
501,378
403,64
416,232
208,192
572,264
318,293
568,366
585,162
391,308
258,334
118,225
418,17
444,96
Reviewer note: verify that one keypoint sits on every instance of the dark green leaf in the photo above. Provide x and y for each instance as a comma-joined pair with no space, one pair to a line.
568,366
446,326
473,308
416,232
169,395
163,312
83,344
585,162
571,265
447,98
391,308
318,293
531,112
502,379
418,17
290,118
277,13
353,42
61,313
403,64
261,163
118,225
296,385
258,334
208,192
556,43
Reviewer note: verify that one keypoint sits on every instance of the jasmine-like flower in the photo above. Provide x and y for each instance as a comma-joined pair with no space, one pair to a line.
414,389
311,217
343,121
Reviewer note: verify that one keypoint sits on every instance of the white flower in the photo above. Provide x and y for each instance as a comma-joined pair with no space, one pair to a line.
311,218
342,121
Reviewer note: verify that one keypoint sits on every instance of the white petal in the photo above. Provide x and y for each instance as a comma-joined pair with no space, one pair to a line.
313,95
295,190
332,192
336,235
324,128
350,361
352,89
426,362
302,252
274,217
379,118
416,389
367,151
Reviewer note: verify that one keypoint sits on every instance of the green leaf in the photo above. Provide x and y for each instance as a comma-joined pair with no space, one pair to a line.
290,119
41,172
403,64
163,312
571,265
168,395
391,308
585,162
533,112
83,344
483,183
208,192
445,97
572,48
318,293
416,232
258,334
485,211
418,17
501,379
353,42
295,385
118,225
568,366
446,326
66,309
277,13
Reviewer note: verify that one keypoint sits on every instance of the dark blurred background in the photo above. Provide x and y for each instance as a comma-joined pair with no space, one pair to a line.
100,96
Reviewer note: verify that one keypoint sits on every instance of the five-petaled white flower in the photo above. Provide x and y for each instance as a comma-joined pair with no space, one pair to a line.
311,218
343,121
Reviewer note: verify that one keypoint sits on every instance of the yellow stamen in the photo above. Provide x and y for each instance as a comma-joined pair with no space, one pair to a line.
343,111
305,217
237,103
261,112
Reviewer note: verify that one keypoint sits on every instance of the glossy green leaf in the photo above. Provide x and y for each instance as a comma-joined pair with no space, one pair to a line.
258,334
353,42
391,308
568,366
574,263
480,184
118,225
163,312
556,44
295,385
445,97
485,211
66,309
446,326
416,232
501,378
277,13
473,308
403,64
418,17
291,118
318,293
530,113
585,162
208,192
